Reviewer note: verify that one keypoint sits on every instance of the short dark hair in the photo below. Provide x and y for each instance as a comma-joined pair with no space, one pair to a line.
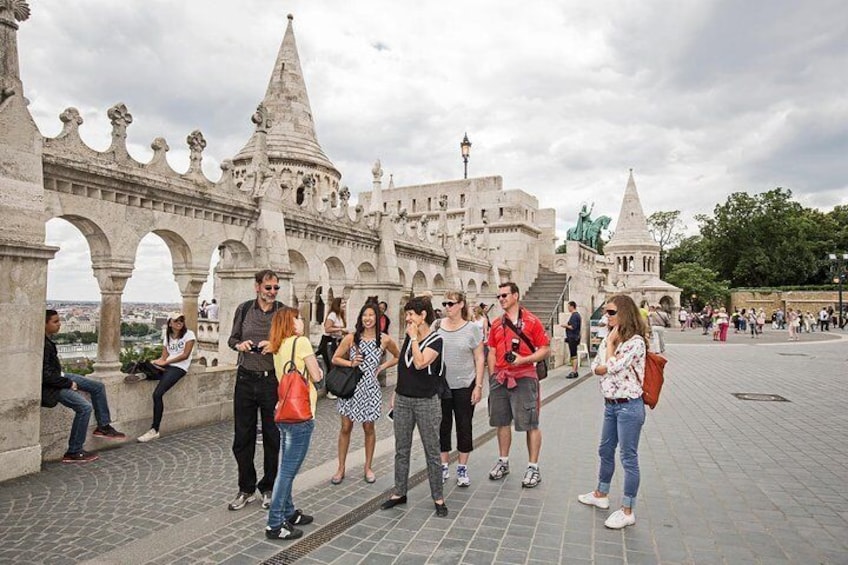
421,304
265,274
513,288
383,303
49,314
572,303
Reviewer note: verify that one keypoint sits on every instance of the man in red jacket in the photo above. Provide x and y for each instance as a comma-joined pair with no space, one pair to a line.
60,387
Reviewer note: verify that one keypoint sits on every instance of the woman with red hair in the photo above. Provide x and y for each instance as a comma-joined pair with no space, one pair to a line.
286,342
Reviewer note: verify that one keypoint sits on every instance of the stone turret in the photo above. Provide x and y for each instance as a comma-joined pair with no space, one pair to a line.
632,249
290,139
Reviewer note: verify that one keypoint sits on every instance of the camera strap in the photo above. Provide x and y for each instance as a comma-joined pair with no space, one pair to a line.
517,330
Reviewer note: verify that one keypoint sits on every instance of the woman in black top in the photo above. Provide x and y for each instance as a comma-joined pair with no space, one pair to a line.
416,402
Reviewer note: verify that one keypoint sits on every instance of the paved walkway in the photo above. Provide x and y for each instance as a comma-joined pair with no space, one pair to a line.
723,481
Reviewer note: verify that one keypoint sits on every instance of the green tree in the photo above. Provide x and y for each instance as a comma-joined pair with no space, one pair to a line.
699,282
762,240
667,230
148,353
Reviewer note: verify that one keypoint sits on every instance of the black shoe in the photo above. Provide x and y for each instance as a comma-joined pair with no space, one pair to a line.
572,375
86,457
299,518
441,509
108,432
266,500
392,502
286,531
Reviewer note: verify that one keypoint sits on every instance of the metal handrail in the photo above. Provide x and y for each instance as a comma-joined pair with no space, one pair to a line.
558,309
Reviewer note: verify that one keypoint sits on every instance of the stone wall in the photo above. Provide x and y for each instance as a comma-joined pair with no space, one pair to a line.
804,300
201,397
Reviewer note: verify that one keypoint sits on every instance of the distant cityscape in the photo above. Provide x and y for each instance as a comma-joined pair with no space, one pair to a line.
83,317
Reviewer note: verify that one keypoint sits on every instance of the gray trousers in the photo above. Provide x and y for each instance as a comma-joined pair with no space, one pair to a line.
427,414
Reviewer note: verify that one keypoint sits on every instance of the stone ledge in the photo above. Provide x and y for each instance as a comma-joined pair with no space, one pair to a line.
201,397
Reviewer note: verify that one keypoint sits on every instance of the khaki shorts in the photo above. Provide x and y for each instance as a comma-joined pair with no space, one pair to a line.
520,404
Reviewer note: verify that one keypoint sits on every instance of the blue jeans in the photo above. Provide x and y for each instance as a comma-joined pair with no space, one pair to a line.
622,427
82,407
294,443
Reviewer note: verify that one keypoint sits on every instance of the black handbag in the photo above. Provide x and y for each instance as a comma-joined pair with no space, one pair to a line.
342,381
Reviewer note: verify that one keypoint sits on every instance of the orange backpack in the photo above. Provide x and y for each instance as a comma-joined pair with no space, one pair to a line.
653,381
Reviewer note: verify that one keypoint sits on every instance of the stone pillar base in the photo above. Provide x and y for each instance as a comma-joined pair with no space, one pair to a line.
19,462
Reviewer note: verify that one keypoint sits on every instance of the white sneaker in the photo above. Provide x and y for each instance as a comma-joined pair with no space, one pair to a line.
462,479
619,519
591,500
150,435
445,472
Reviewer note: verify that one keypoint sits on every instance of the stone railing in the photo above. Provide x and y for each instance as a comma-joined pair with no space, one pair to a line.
204,396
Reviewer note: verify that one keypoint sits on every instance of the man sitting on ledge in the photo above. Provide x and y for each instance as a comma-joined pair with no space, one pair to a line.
57,386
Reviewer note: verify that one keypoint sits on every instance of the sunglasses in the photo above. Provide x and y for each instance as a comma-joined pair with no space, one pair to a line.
269,287
611,312
448,303
504,295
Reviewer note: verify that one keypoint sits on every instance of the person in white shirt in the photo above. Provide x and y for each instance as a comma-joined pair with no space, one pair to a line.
173,365
212,310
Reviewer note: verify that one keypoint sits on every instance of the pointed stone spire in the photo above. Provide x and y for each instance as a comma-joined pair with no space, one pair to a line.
631,227
292,132
377,189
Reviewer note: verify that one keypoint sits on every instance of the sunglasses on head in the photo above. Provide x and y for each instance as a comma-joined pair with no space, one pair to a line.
448,303
269,287
504,295
611,312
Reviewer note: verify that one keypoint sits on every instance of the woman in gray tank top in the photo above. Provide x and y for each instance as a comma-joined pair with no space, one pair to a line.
464,364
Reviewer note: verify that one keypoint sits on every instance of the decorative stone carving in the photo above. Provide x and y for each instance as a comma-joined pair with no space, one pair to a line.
344,195
19,8
159,162
443,202
377,170
120,118
196,145
71,121
262,119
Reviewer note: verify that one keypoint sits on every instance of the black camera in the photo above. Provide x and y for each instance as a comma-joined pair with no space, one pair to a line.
255,348
510,355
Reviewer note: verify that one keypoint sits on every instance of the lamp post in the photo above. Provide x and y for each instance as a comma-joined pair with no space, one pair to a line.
839,279
465,147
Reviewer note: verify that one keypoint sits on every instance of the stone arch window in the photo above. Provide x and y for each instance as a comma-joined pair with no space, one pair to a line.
319,305
461,200
631,266
413,205
300,196
644,264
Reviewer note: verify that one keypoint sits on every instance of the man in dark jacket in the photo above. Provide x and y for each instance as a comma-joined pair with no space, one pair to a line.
60,387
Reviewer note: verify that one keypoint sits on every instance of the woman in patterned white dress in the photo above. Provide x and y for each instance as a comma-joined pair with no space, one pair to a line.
363,348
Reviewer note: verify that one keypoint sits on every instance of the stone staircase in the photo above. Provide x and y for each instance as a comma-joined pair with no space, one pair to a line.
541,298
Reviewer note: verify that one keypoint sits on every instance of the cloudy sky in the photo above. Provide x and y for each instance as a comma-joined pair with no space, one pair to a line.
701,98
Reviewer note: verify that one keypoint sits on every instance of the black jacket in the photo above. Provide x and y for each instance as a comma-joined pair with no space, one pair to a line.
52,380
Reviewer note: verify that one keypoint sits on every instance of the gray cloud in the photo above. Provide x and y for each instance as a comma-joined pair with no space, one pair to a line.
559,98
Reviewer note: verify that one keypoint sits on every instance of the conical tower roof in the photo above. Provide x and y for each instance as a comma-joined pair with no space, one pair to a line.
631,228
292,134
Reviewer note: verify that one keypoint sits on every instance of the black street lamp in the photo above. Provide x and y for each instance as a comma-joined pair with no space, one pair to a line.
839,279
465,147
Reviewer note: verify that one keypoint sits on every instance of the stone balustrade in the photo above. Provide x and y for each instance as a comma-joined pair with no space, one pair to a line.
204,396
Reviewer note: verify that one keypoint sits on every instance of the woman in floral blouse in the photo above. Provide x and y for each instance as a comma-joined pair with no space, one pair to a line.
620,364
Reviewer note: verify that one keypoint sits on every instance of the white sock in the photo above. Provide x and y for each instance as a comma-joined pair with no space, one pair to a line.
533,466
504,459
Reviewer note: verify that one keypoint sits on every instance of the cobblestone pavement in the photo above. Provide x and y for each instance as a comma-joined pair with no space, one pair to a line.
723,481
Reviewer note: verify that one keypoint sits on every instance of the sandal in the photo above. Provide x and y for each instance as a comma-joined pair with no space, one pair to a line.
337,479
370,477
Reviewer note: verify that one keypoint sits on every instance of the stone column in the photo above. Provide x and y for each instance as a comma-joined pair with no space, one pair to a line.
237,286
112,278
190,283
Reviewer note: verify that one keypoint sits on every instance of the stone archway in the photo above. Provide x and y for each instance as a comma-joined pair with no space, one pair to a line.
419,282
438,284
471,289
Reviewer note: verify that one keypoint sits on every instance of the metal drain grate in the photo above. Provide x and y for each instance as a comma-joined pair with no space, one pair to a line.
760,397
305,546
